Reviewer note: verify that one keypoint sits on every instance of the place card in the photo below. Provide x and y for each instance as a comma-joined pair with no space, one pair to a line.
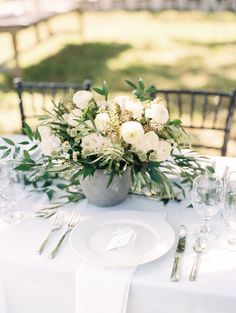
123,236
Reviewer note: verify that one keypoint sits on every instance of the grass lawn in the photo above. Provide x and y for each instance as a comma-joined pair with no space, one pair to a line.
171,49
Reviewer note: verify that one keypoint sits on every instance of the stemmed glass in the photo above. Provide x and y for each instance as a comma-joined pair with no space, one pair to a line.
207,201
11,192
229,208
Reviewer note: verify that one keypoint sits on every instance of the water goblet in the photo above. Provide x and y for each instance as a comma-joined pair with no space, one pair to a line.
4,177
12,192
207,201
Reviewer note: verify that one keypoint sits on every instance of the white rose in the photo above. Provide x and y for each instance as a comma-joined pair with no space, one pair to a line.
163,151
94,142
135,107
101,121
73,117
82,98
158,113
132,132
121,101
149,142
44,131
50,145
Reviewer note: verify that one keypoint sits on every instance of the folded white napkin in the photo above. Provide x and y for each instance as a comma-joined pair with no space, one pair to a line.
102,289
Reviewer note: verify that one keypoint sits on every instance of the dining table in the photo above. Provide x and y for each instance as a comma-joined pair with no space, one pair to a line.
31,283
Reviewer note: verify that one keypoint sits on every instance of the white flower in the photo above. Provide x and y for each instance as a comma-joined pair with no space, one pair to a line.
125,103
121,101
149,142
50,144
44,131
73,117
158,113
163,151
135,107
82,98
132,132
101,121
94,142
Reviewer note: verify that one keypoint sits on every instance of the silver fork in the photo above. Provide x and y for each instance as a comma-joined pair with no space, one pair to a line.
73,221
57,224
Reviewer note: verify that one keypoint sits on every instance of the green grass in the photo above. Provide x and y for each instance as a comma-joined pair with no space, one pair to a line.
171,49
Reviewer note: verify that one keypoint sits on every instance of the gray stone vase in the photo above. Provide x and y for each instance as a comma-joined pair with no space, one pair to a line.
96,191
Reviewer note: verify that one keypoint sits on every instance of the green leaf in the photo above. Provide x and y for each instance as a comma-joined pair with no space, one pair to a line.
29,161
151,89
28,131
26,154
50,194
17,150
23,167
3,148
99,91
210,169
61,186
9,141
24,143
88,171
175,122
111,176
154,175
132,85
6,153
47,184
75,176
37,135
33,148
141,84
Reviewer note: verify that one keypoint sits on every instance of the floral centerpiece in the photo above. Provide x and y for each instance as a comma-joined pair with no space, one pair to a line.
88,131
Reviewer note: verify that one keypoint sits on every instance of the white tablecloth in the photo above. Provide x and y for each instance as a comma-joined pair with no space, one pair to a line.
34,284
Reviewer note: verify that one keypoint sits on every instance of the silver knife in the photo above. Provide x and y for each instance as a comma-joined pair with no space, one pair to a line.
175,274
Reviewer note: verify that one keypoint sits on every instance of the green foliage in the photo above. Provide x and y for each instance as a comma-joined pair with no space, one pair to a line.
104,90
141,91
63,168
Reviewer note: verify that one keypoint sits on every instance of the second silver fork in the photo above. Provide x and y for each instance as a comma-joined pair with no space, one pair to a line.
73,221
57,224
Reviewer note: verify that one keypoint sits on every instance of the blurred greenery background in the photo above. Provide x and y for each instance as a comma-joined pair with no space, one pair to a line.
194,50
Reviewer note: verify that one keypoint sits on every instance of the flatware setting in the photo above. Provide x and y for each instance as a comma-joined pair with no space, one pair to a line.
61,221
73,221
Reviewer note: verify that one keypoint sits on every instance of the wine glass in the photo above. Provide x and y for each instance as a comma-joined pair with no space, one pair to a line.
207,200
4,177
12,192
229,208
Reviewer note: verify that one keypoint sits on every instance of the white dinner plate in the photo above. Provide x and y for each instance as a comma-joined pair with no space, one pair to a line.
153,238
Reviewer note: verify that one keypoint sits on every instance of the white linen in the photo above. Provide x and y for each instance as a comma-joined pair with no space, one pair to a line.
102,289
36,284
29,283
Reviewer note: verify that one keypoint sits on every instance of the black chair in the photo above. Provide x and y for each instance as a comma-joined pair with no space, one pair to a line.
36,97
207,115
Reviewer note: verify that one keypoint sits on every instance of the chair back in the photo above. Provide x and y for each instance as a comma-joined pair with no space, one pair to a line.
36,97
207,115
